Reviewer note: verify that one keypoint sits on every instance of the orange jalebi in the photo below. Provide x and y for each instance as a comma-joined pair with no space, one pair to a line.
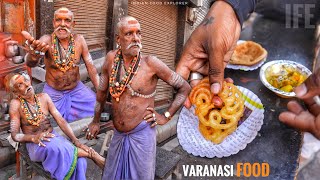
217,123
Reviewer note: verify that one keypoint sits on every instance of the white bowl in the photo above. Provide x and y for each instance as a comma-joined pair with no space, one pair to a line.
279,63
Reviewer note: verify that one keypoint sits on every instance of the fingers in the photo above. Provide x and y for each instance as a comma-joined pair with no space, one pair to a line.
187,103
91,153
91,134
50,135
41,144
314,109
303,121
217,101
95,134
149,120
86,148
45,48
88,134
92,131
46,136
35,47
151,109
229,80
148,116
27,36
310,88
46,139
295,107
154,124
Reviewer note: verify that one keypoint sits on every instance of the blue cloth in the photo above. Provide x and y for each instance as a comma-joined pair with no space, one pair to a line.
73,104
57,158
242,8
132,155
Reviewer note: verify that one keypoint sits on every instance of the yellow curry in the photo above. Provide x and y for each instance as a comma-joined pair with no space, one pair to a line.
284,77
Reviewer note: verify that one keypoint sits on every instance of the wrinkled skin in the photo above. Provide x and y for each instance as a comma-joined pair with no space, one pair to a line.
37,134
63,25
130,110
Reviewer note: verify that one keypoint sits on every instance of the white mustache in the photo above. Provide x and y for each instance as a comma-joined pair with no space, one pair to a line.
62,28
135,44
26,91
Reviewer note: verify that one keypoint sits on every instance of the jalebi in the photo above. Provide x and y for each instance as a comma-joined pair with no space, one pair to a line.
217,123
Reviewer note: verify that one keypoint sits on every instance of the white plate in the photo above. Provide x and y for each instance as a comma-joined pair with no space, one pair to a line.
245,68
194,143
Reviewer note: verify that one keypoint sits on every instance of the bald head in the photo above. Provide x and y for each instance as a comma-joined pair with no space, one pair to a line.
10,80
63,10
126,21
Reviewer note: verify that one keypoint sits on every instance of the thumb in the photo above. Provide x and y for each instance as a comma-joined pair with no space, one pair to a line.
311,87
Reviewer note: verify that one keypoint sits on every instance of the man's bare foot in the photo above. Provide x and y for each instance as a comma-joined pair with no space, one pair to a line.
97,159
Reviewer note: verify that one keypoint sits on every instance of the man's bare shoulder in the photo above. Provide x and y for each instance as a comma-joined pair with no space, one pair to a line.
153,61
14,104
109,59
78,37
150,59
110,55
43,96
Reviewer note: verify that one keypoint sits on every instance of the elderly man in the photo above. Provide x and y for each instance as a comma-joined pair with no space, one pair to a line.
61,52
131,78
31,113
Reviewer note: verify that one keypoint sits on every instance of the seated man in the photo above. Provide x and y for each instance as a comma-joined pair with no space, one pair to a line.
30,112
70,96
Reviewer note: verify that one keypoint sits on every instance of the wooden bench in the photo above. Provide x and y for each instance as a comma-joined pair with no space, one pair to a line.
26,164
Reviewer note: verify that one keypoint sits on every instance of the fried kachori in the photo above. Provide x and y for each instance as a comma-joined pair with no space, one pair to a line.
248,53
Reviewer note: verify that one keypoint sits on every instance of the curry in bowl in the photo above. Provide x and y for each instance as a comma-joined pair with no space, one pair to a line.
283,76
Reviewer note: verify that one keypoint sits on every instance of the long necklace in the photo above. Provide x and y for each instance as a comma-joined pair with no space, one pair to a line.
32,118
117,87
65,63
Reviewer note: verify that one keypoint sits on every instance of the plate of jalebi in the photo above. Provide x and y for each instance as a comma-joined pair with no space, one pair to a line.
247,56
208,131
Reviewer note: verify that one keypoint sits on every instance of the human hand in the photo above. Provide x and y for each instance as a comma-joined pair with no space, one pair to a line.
301,119
297,117
44,136
92,130
309,92
33,46
155,118
211,45
82,146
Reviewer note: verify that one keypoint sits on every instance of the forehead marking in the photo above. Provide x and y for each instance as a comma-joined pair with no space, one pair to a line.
132,22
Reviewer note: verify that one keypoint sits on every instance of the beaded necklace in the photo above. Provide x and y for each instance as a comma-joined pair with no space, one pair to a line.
67,62
117,87
32,118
